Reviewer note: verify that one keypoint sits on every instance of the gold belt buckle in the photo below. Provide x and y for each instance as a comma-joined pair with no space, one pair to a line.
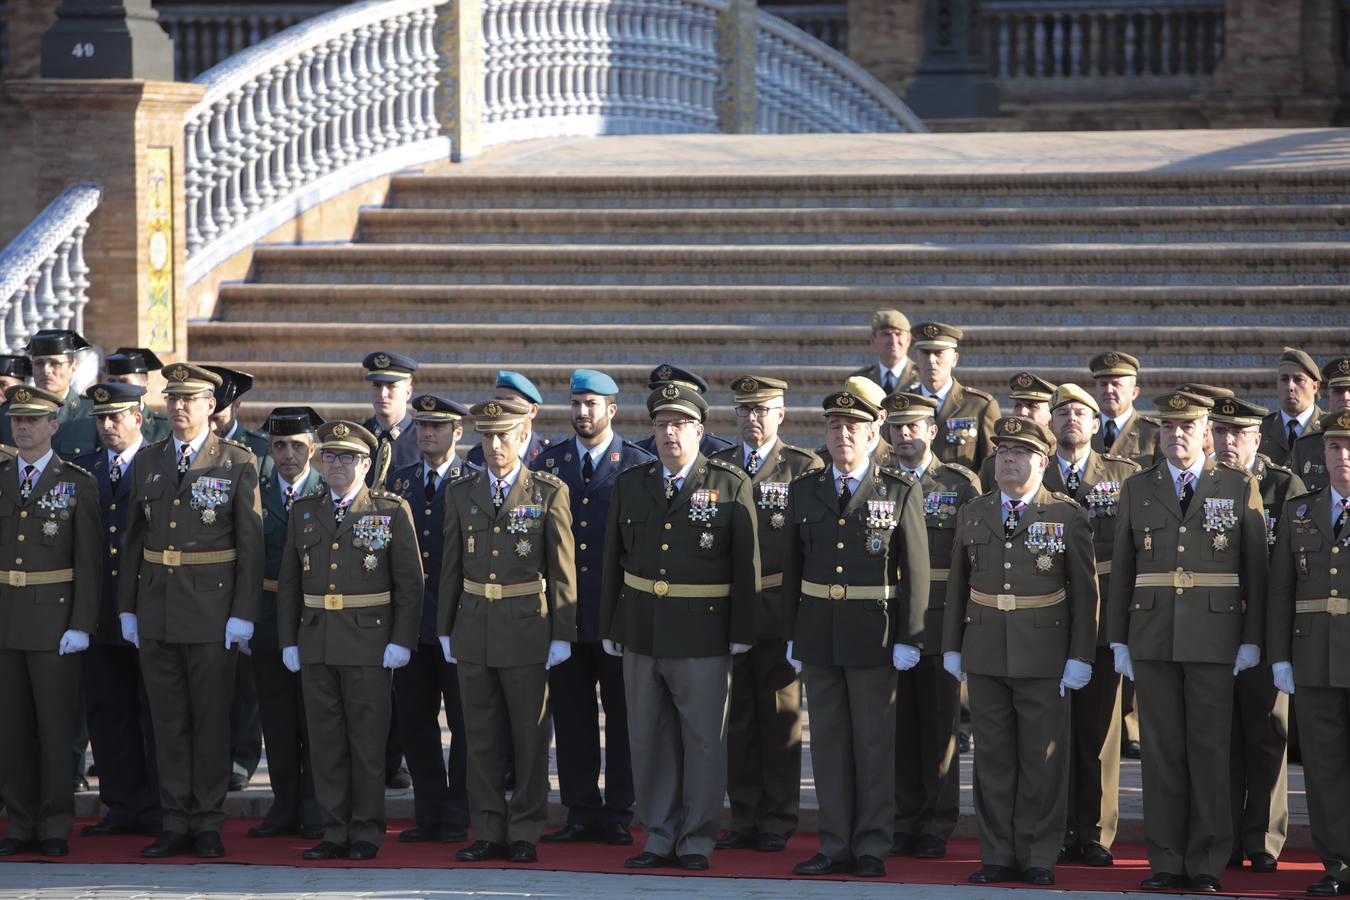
492,591
332,601
660,588
1184,579
838,592
173,557
18,579
1006,602
1337,606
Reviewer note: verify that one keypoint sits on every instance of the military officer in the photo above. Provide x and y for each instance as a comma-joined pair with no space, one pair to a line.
391,382
890,339
589,466
349,600
53,353
133,365
116,707
681,580
1093,480
515,386
965,416
927,700
51,538
764,735
507,615
1124,432
189,591
1030,395
292,440
1185,616
665,374
1213,392
1260,799
1309,645
1308,461
440,798
1297,383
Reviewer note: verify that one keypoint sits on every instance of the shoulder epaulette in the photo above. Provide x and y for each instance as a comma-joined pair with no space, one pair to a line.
800,451
1156,463
1306,495
1241,470
233,443
548,478
1063,497
809,473
977,392
726,466
303,498
1308,435
961,470
1110,457
81,469
898,474
382,494
1271,464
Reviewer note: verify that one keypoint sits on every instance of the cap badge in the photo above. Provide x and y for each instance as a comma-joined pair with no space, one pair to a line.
1111,359
381,361
1024,380
22,395
1343,420
899,403
428,403
1228,409
670,392
179,373
845,400
1343,367
1176,401
1013,426
492,410
341,430
931,330
746,385
101,395
663,373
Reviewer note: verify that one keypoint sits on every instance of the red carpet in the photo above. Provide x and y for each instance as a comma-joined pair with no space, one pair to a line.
1298,868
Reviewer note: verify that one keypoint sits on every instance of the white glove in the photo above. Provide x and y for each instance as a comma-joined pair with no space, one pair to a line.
1124,665
237,631
131,629
738,649
396,657
613,648
445,649
558,652
290,658
1248,655
792,657
1284,677
73,642
1076,675
951,661
904,657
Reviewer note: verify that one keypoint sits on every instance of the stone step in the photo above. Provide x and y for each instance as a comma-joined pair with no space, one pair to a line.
805,306
1135,225
889,264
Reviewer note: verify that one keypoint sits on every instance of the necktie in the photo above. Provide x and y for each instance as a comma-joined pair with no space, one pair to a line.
1185,489
115,471
429,491
844,493
888,382
1109,437
1013,516
753,462
672,486
1344,517
340,510
29,476
587,468
1071,482
290,498
184,460
498,492
1293,431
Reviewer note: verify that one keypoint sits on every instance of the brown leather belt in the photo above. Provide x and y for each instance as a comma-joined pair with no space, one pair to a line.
346,601
1010,602
189,557
1336,606
1183,579
15,578
848,591
503,591
666,589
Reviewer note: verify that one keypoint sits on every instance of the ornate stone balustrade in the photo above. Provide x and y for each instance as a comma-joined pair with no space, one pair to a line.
206,34
43,277
826,22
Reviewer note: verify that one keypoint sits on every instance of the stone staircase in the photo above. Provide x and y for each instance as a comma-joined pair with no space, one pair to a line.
1203,274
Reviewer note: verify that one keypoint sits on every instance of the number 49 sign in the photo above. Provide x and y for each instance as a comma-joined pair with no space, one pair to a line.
82,50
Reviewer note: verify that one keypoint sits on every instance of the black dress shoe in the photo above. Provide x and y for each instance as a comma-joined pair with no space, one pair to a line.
901,844
693,862
1162,881
208,845
399,780
571,833
265,829
325,850
1038,876
238,781
107,829
647,860
1263,863
768,842
311,832
992,874
1329,887
1131,750
481,851
362,850
81,784
1207,884
616,834
734,840
1095,854
55,847
1235,861
1070,852
930,846
169,843
820,864
869,867
523,852
13,846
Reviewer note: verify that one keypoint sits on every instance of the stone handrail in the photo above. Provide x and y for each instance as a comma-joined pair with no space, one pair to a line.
207,33
826,22
44,281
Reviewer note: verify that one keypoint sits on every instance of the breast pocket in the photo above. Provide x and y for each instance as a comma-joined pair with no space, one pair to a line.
1147,528
1307,549
975,544
477,530
632,525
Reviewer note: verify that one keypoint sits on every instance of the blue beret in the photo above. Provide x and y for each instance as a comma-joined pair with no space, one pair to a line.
517,382
386,366
589,381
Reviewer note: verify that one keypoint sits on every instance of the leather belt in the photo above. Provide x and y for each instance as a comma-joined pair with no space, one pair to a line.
1103,567
939,574
189,557
346,601
848,591
771,581
1183,579
270,584
503,591
1336,606
666,589
15,578
1010,602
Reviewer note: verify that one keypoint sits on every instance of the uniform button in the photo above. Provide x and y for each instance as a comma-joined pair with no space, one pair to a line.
112,506
843,521
426,555
18,561
496,529
492,576
661,572
177,502
426,512
1007,545
336,546
332,587
1334,592
839,546
496,553
1180,591
1180,549
24,514
665,546
21,538
332,565
1007,587
1182,529
581,546
425,531
585,500
1335,549
1139,606
173,524
112,529
667,526
839,568
1333,571
112,551
583,524
114,571
585,568
1007,565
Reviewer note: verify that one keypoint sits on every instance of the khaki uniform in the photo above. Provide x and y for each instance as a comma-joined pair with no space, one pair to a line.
965,424
345,591
1137,440
1183,638
1275,437
525,550
1094,759
56,531
1014,659
764,730
1308,460
1307,626
858,579
182,608
681,585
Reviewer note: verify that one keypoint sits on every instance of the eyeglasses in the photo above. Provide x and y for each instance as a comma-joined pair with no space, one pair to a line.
674,425
753,412
347,459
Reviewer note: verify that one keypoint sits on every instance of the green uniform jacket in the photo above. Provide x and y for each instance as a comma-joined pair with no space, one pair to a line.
1309,460
946,488
1309,563
528,539
1275,439
965,424
154,425
1138,440
1276,483
275,521
77,434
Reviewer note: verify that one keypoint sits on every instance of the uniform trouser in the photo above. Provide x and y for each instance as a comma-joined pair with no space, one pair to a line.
576,721
347,709
246,734
1259,773
927,775
281,706
440,794
764,741
1094,758
189,687
493,699
1324,727
1021,728
39,696
1185,723
118,714
677,729
852,715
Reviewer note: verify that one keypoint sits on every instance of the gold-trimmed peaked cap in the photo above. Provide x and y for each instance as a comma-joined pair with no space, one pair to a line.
1024,431
1028,386
1237,412
902,408
849,404
757,389
1113,362
677,396
937,336
1336,424
26,400
342,435
1183,406
498,415
430,408
1336,373
185,378
111,398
